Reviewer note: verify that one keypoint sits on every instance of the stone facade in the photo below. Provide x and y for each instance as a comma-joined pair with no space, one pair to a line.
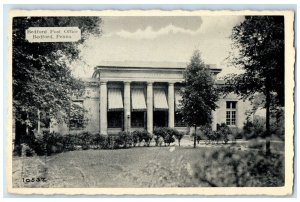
136,98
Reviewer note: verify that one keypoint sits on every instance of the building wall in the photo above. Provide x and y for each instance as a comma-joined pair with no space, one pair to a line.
92,115
242,107
91,104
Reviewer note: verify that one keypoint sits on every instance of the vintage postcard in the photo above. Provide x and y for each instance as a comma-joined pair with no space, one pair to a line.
144,102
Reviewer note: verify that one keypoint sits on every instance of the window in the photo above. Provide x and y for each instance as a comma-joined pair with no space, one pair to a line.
138,119
160,118
179,120
76,121
115,119
231,113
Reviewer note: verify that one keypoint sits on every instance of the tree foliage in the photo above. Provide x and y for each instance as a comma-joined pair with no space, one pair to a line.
259,41
200,95
42,79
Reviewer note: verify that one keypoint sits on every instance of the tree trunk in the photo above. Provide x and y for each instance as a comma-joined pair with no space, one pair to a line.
20,131
195,137
268,135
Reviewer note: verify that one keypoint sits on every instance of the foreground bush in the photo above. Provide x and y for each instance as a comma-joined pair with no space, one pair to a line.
240,169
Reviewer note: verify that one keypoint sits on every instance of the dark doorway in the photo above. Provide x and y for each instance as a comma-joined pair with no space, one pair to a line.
160,118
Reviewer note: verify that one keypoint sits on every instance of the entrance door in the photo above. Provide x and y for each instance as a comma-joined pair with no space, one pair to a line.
160,118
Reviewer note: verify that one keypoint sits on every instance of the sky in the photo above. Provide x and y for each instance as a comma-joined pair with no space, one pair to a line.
158,39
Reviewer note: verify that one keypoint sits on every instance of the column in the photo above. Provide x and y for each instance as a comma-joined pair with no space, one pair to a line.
171,103
214,120
103,108
150,107
127,110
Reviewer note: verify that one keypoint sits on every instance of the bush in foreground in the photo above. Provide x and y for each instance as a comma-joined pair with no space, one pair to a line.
226,168
218,168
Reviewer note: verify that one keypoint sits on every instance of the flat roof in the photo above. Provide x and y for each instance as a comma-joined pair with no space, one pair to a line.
147,66
150,68
139,63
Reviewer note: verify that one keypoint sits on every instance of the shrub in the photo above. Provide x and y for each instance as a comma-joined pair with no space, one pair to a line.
238,135
36,142
230,168
178,135
169,139
124,139
111,141
139,136
85,140
46,143
158,140
70,141
119,140
277,123
223,132
171,134
147,137
160,132
50,143
257,127
26,150
254,129
136,137
17,150
167,134
205,132
100,141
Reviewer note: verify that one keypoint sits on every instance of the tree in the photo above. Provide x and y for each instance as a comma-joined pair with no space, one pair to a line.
199,96
259,41
42,79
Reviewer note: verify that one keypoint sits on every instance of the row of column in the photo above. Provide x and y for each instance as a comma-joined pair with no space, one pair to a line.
127,110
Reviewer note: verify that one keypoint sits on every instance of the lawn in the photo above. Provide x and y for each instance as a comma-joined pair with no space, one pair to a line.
134,167
100,168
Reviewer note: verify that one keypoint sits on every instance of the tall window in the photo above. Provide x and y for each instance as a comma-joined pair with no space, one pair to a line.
138,119
115,119
231,113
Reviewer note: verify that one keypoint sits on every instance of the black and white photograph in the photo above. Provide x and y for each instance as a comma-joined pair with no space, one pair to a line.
152,99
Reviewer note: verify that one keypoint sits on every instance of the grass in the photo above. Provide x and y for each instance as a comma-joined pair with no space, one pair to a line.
135,167
98,168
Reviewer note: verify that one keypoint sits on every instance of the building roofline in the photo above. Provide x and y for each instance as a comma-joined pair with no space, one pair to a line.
147,68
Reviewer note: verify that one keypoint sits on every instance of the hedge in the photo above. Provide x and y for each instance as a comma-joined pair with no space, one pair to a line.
49,143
